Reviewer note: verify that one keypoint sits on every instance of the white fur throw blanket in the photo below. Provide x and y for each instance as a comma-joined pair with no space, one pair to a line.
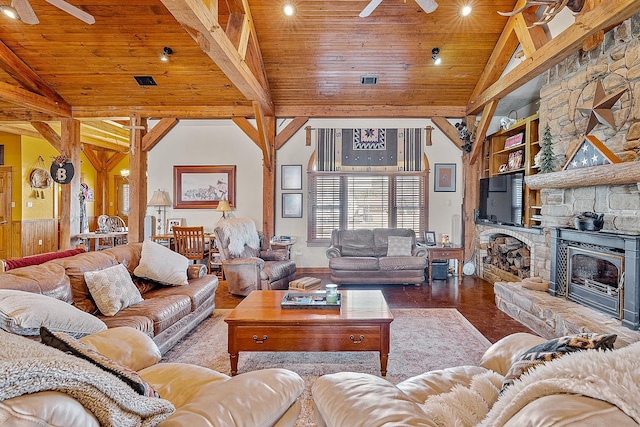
240,232
28,366
611,376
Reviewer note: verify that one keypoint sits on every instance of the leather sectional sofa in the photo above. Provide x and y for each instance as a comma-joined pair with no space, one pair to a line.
581,388
361,256
76,392
166,314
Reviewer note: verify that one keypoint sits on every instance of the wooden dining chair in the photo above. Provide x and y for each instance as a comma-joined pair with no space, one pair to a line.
191,242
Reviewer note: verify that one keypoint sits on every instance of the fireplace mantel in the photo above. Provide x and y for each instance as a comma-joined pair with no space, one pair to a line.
614,174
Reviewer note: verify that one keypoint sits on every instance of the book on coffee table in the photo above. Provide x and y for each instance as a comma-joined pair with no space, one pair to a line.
309,300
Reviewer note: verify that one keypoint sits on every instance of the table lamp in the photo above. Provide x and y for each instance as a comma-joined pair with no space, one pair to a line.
160,200
224,206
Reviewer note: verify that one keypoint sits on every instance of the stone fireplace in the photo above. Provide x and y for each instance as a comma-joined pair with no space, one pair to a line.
598,270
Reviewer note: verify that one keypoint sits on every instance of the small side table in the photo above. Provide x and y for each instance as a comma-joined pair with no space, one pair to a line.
446,253
283,244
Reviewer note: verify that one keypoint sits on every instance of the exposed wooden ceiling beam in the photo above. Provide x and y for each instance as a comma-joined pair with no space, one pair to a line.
97,164
158,112
155,135
248,129
559,48
531,39
290,130
196,16
369,111
483,127
262,135
49,134
25,98
109,129
448,129
24,75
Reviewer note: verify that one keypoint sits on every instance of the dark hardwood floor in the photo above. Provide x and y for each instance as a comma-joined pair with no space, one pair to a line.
471,296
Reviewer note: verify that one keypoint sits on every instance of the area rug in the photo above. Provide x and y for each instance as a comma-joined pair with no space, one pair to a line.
421,340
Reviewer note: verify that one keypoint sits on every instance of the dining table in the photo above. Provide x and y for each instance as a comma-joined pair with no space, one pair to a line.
93,239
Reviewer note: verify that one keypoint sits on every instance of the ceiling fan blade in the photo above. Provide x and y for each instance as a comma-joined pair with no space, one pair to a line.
25,12
370,8
72,10
427,5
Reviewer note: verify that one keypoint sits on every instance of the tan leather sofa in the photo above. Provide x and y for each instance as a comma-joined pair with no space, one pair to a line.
167,313
201,397
585,388
360,256
255,269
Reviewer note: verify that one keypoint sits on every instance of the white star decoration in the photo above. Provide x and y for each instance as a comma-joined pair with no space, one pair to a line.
585,161
594,159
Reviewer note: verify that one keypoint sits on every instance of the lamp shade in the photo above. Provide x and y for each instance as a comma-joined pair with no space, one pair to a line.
223,206
159,198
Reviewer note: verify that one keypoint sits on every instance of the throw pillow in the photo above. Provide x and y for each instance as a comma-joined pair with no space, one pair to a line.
70,345
162,265
23,313
554,349
112,289
399,246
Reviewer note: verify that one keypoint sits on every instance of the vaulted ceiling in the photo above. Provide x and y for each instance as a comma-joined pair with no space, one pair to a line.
230,56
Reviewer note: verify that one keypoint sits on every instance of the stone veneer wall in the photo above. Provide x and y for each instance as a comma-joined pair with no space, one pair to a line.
571,83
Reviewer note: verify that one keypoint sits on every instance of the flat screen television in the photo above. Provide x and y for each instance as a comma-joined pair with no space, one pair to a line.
502,199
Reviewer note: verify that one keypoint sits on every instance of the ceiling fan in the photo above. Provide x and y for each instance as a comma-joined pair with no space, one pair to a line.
427,5
27,15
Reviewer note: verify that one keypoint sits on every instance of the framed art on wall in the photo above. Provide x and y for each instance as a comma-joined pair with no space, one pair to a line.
430,238
292,205
445,179
291,177
202,187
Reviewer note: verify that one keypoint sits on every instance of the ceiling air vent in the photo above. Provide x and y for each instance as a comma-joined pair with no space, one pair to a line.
368,80
145,80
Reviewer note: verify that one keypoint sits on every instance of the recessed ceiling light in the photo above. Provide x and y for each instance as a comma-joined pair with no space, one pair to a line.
466,10
9,12
288,10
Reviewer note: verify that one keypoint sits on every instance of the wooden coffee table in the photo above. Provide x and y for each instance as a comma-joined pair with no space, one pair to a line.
258,323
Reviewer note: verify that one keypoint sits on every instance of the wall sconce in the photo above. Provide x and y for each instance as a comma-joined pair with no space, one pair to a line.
160,200
164,56
9,12
223,206
124,173
434,55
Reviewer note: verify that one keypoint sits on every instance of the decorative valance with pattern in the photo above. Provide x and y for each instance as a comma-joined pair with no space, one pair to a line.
369,150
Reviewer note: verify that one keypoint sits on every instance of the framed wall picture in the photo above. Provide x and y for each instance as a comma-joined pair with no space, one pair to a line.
291,177
173,222
430,238
202,187
291,205
445,179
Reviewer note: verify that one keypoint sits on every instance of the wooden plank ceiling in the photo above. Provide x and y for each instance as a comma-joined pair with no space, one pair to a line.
308,65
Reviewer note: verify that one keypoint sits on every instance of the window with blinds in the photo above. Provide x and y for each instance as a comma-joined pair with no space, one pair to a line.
363,201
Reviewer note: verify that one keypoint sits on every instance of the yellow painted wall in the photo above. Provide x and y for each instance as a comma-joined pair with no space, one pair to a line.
36,204
123,164
88,176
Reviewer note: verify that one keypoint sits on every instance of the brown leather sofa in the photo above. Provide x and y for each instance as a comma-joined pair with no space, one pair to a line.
167,313
360,256
255,269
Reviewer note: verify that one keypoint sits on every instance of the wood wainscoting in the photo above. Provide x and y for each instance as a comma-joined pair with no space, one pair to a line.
27,235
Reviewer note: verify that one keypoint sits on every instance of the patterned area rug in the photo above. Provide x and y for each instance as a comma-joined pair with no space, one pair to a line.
421,340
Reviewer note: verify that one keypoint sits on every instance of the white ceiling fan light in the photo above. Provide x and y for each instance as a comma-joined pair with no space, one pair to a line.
427,5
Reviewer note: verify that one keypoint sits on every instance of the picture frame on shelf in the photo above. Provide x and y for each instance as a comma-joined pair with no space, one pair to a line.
202,187
430,238
514,140
291,177
291,205
173,222
516,159
445,177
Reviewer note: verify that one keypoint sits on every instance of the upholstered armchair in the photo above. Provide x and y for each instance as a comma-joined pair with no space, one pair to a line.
248,262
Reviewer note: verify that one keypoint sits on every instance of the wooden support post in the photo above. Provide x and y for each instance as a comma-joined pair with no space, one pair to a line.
269,180
70,194
137,180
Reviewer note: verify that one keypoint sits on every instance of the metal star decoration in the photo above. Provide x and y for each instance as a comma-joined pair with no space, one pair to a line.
599,109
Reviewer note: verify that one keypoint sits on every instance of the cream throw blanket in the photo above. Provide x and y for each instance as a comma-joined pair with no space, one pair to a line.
240,232
611,376
27,367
